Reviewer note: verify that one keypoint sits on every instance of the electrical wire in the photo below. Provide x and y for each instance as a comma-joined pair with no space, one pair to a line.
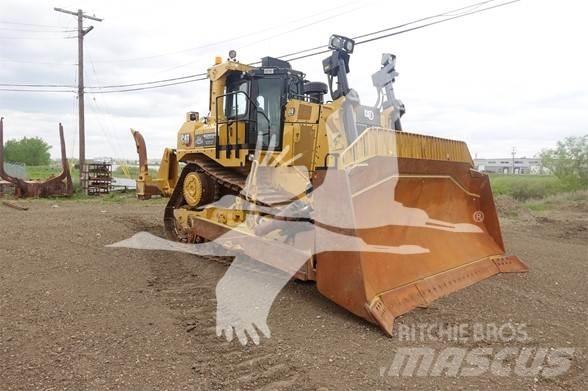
401,31
99,112
446,16
147,88
31,24
298,28
437,22
232,39
475,10
25,90
36,85
32,38
35,62
443,14
446,13
148,82
36,31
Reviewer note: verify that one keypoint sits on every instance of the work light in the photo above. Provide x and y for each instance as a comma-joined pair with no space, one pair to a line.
337,42
388,59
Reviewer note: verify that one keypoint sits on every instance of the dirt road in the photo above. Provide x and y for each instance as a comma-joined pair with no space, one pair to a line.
77,315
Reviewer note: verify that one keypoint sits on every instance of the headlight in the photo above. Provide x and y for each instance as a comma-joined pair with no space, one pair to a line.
388,58
337,42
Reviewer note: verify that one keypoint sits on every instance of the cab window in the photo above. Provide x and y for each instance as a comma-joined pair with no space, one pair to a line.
236,102
269,107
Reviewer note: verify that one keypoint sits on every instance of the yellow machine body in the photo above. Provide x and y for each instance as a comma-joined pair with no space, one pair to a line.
401,189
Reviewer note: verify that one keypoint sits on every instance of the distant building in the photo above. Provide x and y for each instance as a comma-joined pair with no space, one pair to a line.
107,160
520,166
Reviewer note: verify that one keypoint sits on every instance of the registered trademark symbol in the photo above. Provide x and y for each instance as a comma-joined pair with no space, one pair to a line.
478,216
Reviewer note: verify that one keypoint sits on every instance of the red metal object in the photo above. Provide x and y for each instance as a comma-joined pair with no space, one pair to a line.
60,185
380,287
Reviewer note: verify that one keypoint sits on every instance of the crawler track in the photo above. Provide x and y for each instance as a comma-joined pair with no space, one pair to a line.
227,180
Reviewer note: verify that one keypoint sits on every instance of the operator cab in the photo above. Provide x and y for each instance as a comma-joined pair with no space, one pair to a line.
258,98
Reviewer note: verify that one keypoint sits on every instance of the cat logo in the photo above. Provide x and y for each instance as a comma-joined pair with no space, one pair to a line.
369,114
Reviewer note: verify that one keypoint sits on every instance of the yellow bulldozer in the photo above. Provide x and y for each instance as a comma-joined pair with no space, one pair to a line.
392,220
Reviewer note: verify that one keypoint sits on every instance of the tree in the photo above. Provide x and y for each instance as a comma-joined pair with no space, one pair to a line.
30,151
569,161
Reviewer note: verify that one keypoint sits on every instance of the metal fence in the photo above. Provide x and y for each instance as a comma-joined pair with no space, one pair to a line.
16,170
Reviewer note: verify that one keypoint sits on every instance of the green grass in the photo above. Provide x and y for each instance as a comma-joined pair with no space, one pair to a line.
576,200
527,187
42,172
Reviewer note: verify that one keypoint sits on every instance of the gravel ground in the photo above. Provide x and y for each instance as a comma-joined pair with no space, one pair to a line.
76,315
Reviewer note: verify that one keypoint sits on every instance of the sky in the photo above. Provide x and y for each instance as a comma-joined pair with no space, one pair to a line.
512,77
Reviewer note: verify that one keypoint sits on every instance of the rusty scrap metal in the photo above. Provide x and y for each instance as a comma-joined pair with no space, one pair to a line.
14,206
60,185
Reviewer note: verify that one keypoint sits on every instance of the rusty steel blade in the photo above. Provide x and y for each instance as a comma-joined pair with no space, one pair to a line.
444,208
60,185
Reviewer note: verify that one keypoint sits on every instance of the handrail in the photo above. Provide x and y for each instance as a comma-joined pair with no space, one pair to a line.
228,121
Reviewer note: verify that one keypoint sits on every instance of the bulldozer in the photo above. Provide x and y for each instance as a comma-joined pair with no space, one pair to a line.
273,153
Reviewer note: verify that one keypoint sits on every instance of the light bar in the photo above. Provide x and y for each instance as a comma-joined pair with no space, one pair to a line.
338,42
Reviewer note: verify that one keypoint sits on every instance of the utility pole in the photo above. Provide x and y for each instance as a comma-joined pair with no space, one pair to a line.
81,111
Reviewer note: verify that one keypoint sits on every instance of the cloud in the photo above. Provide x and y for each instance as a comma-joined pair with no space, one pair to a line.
512,76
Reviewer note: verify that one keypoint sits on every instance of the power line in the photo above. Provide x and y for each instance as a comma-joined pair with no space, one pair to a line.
217,42
32,90
313,23
322,49
37,85
391,28
104,87
403,31
36,31
29,24
446,13
475,10
148,88
149,82
290,54
464,14
32,38
438,22
36,62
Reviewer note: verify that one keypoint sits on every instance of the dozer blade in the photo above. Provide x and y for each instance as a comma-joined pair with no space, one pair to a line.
426,204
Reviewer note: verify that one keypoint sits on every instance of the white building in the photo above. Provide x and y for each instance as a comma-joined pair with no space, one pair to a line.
518,166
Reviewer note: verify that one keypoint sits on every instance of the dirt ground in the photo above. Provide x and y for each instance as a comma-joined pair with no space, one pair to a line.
76,315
